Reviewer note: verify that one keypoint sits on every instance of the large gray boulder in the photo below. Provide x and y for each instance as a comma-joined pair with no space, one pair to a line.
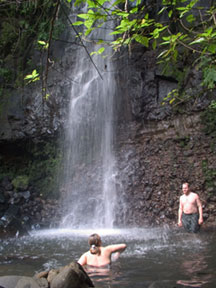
22,282
70,276
9,281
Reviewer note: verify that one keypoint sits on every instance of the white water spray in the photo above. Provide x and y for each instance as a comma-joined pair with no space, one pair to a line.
89,162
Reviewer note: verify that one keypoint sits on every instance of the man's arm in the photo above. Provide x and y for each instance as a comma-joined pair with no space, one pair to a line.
180,211
199,205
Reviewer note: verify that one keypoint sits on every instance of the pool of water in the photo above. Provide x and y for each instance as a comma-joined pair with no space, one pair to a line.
155,257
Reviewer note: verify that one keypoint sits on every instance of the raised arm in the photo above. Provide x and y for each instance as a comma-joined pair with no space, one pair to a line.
116,248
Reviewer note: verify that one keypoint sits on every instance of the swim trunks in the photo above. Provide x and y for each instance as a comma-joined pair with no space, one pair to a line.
190,222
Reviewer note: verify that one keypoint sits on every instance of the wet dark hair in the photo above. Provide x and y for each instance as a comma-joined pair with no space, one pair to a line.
95,242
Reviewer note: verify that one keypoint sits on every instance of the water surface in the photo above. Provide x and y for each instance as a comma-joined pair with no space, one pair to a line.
156,257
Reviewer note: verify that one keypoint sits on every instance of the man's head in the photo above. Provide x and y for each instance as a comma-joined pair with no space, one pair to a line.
185,188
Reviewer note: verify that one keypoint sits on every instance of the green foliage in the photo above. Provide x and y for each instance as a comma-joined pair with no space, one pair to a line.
189,26
23,23
21,182
32,77
100,51
44,44
186,26
6,74
43,167
171,97
208,66
37,167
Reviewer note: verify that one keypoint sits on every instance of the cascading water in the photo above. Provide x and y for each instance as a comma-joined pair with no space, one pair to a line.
89,162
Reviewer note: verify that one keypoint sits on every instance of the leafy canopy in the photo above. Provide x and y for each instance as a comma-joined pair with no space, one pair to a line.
173,28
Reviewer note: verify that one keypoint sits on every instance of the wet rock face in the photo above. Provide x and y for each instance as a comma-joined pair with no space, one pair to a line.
28,114
23,210
153,164
25,111
157,148
147,87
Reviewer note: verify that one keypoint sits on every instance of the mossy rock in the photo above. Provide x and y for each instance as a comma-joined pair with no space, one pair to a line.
21,182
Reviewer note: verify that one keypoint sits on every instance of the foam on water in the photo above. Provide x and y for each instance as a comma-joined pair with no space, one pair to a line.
64,232
145,238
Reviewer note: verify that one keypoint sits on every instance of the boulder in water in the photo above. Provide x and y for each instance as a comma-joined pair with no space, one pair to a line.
9,281
70,276
22,282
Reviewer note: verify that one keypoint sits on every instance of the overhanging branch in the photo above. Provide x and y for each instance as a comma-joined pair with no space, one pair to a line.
87,52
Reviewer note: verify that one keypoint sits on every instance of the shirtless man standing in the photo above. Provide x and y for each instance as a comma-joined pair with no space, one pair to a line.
190,213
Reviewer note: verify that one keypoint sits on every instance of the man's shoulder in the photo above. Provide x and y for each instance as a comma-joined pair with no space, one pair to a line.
194,194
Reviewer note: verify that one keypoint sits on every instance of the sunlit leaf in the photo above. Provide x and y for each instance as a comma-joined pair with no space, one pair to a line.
154,44
199,40
77,2
170,13
43,43
83,16
172,100
163,53
77,23
101,50
163,9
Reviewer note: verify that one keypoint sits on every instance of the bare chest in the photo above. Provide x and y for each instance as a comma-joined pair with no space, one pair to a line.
188,200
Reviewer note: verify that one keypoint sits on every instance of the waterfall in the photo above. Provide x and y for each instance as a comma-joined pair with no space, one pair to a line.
89,163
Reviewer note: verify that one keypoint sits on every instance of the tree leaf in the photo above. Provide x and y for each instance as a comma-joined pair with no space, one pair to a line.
77,23
212,48
190,18
199,40
154,44
43,43
142,39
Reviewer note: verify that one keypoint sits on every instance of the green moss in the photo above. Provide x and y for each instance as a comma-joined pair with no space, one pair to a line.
36,165
208,119
21,182
43,170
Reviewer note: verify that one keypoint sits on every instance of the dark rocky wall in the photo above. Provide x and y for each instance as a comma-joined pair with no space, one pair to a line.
159,148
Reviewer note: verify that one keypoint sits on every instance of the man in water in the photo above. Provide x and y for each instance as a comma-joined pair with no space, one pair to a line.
190,213
97,255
